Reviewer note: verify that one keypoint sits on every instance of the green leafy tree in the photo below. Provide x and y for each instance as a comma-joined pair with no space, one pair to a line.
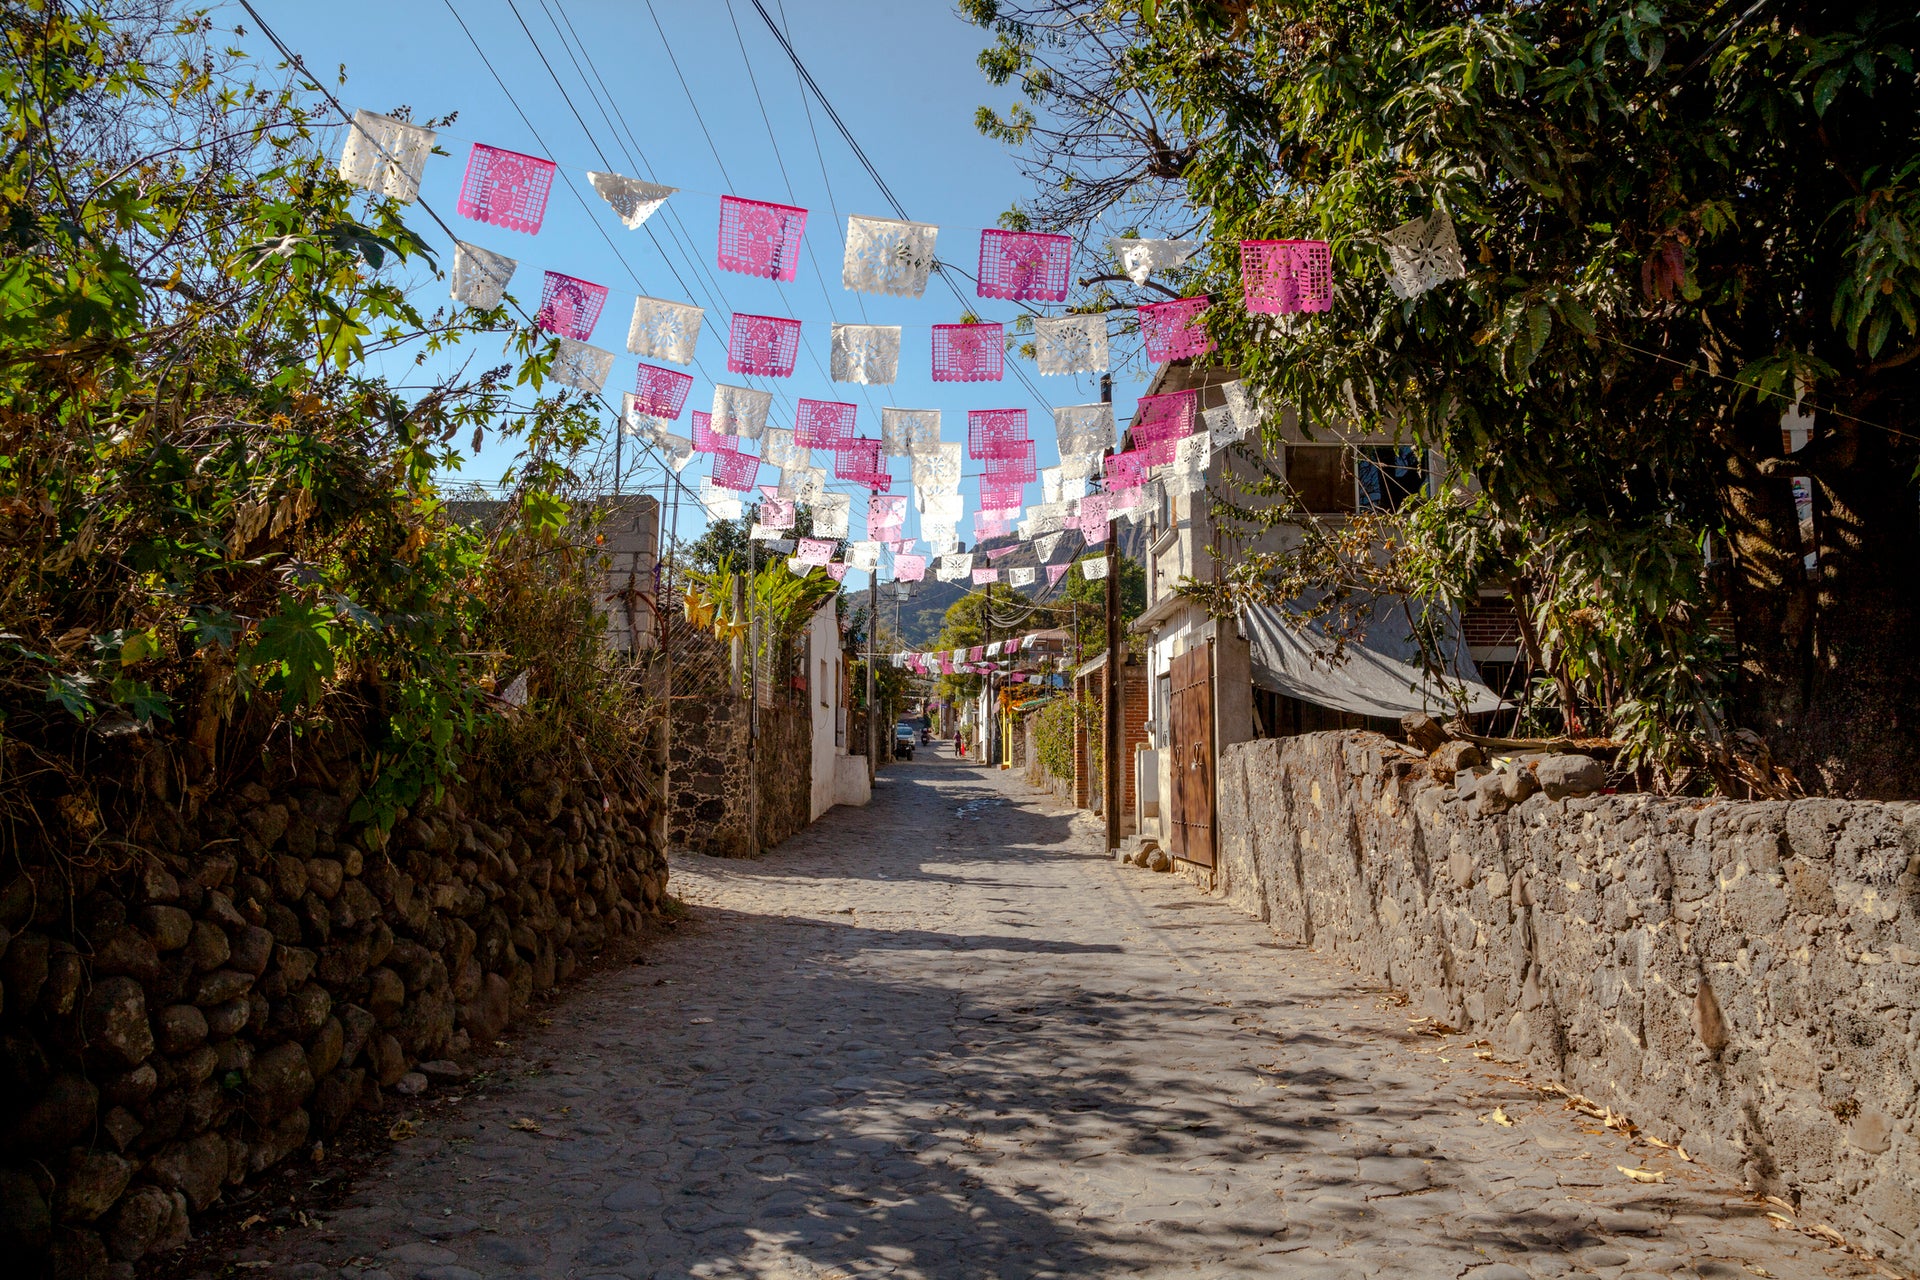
219,525
1676,222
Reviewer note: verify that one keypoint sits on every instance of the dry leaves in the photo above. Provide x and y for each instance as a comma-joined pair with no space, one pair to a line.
1643,1175
402,1130
526,1124
1497,1116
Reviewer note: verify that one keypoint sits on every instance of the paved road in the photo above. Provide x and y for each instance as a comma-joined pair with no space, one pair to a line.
944,1036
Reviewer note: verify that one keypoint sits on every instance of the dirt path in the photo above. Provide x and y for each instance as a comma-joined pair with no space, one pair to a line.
945,1036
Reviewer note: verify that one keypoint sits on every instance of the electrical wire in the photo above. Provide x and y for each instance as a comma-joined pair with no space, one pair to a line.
669,474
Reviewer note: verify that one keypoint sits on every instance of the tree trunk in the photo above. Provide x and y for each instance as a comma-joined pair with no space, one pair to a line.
1828,672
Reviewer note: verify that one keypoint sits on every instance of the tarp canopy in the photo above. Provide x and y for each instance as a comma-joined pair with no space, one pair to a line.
1378,672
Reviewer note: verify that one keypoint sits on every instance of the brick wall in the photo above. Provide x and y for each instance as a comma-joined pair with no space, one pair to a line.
1088,791
1489,624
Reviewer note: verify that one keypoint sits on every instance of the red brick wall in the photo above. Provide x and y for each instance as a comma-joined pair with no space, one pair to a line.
1489,624
1087,793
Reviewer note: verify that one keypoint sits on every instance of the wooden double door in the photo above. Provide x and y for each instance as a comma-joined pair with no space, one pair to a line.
1191,804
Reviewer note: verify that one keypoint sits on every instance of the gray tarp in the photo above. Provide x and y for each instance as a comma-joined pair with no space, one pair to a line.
1378,673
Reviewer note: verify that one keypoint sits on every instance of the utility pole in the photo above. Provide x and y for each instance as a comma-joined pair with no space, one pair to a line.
1113,680
873,712
753,702
986,714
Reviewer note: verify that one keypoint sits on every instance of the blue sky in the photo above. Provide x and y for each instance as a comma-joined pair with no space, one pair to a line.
902,74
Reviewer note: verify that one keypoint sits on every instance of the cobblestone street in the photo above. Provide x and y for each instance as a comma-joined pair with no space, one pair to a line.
944,1036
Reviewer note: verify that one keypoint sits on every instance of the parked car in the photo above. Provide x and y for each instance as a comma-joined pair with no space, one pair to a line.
903,736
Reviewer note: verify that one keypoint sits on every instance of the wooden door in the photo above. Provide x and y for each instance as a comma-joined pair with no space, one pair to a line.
1192,764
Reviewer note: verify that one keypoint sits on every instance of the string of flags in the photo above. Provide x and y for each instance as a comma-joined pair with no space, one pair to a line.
982,659
1171,440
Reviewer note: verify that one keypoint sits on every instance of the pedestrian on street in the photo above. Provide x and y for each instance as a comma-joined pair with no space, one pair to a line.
959,745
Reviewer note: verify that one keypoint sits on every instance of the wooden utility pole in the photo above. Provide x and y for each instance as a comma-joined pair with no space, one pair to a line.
986,715
1114,701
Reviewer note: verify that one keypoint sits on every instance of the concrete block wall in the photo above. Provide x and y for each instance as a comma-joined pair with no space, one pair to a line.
1743,977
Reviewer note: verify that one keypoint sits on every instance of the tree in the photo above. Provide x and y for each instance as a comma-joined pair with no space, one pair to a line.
1677,222
726,540
219,525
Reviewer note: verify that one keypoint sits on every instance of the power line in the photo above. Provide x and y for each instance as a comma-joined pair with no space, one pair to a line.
293,59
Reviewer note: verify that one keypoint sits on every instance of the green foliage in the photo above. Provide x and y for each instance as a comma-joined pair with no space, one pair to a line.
1676,219
1053,734
214,512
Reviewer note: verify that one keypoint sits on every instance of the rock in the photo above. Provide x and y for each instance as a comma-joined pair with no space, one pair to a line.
157,884
91,1183
180,1027
1872,1131
386,994
388,1060
289,876
485,1017
324,876
1452,757
229,1019
443,1071
1423,732
221,911
1517,782
79,1254
1466,783
336,1098
411,1085
114,1021
279,1082
66,971
121,1128
125,949
208,947
358,1025
169,927
23,969
131,1088
252,948
1562,776
268,823
196,1168
221,986
26,1223
138,1222
279,1142
60,1117
1708,1022
302,1014
1160,860
323,1051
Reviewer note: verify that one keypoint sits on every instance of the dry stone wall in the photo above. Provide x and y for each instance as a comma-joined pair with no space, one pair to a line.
711,784
1743,977
179,1026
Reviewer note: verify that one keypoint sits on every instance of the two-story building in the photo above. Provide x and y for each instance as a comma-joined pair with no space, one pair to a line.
1262,674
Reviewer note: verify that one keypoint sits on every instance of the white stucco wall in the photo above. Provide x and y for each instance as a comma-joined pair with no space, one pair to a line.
823,696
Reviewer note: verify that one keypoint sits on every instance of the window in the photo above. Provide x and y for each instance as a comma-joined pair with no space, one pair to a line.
823,682
1322,474
1389,475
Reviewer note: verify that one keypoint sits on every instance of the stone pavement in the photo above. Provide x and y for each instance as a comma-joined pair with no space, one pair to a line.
945,1036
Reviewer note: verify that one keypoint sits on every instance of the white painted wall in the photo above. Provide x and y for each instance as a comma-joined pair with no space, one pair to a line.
823,697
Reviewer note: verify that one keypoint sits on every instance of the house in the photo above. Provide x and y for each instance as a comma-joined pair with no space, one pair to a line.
837,775
1213,682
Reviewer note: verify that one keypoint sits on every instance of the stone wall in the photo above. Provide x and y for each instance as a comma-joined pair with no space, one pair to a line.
181,1025
1743,977
710,782
707,775
786,772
